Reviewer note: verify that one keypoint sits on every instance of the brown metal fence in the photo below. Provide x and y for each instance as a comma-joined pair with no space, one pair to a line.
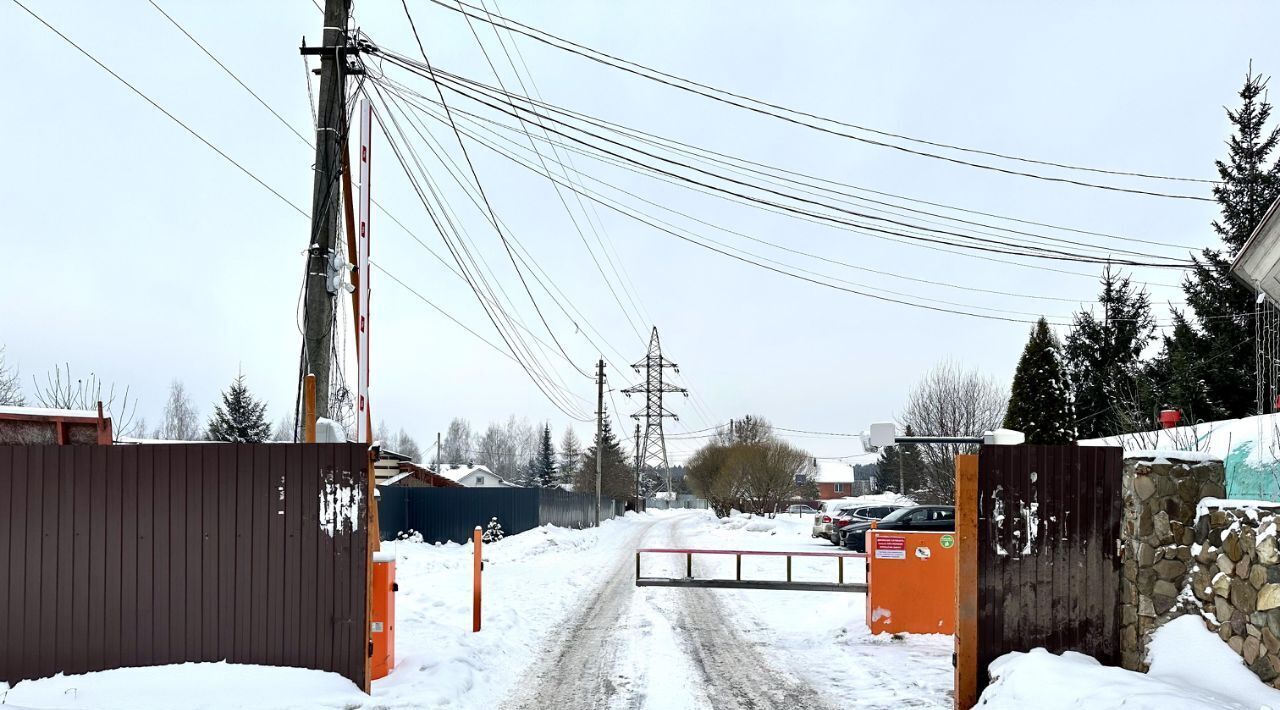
152,554
1047,559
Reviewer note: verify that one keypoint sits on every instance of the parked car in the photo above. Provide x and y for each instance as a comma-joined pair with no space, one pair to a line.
801,509
859,514
822,518
918,518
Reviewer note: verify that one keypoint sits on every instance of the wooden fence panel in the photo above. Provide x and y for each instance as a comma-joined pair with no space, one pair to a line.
1048,562
141,555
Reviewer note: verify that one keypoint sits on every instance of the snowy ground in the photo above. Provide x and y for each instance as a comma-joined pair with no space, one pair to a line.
565,627
1191,669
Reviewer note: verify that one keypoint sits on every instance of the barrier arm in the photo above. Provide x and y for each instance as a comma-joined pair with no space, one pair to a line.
691,582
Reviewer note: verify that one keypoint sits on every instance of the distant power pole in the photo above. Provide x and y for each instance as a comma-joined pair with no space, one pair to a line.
639,496
439,453
654,450
317,341
599,431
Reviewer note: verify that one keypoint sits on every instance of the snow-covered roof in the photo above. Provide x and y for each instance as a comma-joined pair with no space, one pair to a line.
828,471
396,478
457,472
45,412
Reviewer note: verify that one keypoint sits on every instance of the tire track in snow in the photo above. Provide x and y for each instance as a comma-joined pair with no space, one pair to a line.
636,648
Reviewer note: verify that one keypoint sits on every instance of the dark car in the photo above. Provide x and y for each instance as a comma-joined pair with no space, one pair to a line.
859,514
919,518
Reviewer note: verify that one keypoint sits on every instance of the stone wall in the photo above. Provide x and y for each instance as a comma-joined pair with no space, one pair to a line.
1235,583
1161,493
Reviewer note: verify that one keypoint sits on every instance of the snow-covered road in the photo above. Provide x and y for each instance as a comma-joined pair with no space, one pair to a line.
566,627
630,647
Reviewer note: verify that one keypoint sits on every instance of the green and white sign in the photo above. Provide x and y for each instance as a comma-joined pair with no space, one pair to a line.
947,541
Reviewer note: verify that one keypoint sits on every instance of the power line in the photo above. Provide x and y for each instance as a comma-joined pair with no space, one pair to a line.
775,111
997,245
770,172
230,73
484,197
161,109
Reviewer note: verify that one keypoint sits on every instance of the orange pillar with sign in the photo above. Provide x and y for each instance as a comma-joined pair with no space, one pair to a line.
912,582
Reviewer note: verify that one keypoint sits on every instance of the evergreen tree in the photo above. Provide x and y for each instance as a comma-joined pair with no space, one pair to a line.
1209,363
570,455
240,418
901,464
544,462
1103,359
1040,402
616,475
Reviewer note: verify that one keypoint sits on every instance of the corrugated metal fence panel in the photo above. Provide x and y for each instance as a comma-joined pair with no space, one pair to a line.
393,511
143,555
571,510
1048,566
452,514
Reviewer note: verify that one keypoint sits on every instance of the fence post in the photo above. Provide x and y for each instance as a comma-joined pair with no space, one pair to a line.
840,565
788,568
688,565
637,564
477,566
739,561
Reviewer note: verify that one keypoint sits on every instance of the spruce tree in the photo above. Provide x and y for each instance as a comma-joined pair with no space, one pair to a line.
1103,359
570,455
544,462
616,474
900,467
240,418
1040,401
1209,363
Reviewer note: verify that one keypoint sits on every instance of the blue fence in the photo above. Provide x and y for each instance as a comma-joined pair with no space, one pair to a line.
444,514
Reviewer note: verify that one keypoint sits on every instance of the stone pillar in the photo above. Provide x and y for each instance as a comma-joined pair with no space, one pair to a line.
1157,532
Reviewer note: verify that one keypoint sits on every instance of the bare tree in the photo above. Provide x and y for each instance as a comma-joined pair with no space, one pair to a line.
61,391
950,401
765,473
405,444
458,443
751,429
180,421
10,386
286,430
506,447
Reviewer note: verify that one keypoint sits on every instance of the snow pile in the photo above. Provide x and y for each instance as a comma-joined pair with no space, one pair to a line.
1164,456
188,686
1191,669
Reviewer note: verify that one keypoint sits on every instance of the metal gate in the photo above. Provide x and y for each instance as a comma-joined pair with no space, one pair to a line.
117,556
1048,564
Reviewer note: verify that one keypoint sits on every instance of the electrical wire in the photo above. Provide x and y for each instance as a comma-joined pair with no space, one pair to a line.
776,111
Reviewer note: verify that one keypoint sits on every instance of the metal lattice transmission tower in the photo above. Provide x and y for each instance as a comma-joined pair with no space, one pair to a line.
652,452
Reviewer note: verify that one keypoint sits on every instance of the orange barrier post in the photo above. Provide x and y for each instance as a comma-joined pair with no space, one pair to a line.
383,619
478,565
912,582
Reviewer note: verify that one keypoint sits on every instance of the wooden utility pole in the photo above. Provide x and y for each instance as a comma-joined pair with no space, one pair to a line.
330,137
599,431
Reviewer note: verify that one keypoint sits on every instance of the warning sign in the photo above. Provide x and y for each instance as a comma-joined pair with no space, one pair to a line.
891,547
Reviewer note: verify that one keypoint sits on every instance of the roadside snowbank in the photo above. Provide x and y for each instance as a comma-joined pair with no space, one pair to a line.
1191,669
194,686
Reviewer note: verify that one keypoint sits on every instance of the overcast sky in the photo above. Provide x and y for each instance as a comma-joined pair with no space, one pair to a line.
136,252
